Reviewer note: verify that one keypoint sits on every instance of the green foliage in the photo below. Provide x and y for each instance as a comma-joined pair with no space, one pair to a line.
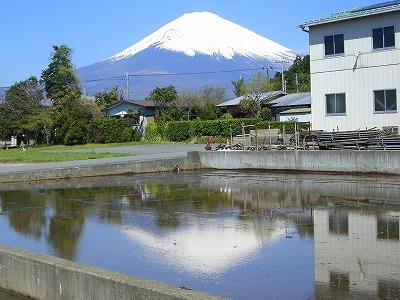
76,134
22,100
164,96
193,130
110,130
208,111
89,109
227,116
239,87
108,98
154,132
59,77
265,114
38,127
177,131
301,67
249,106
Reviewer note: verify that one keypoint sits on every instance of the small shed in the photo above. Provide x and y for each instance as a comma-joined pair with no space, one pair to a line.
142,107
292,106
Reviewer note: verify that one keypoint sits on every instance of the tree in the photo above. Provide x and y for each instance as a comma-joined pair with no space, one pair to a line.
59,77
62,87
22,100
163,97
249,107
257,88
214,94
239,87
190,102
108,98
301,67
208,111
89,108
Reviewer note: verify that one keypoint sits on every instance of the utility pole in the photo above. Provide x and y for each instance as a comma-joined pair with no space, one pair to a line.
283,79
127,86
297,83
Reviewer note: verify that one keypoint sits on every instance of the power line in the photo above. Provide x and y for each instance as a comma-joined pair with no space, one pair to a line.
123,77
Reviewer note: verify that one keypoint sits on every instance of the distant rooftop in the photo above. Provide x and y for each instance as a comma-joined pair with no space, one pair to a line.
292,100
374,9
267,96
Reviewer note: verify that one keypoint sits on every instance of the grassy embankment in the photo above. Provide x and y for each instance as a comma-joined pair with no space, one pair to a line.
36,155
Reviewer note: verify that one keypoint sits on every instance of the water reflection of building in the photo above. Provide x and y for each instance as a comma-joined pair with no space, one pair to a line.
357,253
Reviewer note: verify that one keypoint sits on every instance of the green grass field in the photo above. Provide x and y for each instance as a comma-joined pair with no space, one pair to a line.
94,146
36,155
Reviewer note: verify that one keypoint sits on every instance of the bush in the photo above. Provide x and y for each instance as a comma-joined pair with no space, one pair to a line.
110,130
227,116
154,132
191,130
178,131
265,114
76,134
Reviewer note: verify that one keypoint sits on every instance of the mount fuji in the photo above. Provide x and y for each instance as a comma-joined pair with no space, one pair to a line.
201,47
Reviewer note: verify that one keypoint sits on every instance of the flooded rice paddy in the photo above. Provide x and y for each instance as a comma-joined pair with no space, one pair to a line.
242,235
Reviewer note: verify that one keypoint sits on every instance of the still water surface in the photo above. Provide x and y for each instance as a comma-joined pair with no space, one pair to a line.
239,235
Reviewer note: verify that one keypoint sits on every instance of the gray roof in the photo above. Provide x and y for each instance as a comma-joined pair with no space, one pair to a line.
378,8
236,101
144,103
291,100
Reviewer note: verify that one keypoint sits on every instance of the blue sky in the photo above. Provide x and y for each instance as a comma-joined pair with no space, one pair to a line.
97,29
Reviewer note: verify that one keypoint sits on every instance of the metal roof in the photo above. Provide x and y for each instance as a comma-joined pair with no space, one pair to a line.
300,99
236,101
375,9
143,103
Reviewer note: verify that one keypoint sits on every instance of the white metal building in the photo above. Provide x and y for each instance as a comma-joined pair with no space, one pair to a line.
355,68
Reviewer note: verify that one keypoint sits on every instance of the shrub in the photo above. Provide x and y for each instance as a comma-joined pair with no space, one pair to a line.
192,130
178,131
76,134
154,132
227,116
265,114
109,130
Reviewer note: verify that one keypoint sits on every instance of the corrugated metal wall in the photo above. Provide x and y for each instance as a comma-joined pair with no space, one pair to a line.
358,78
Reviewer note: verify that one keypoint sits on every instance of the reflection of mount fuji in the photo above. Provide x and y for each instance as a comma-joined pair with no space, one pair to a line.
207,247
194,43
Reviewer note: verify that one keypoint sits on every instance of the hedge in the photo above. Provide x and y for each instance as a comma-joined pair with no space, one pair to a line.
110,130
184,130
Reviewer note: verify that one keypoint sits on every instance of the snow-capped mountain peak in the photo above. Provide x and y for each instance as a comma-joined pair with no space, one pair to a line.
208,34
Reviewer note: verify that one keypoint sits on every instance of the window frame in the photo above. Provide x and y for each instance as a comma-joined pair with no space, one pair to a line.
383,35
335,113
384,93
334,48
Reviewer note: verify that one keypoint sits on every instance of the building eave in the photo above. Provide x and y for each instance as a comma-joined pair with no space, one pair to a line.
354,15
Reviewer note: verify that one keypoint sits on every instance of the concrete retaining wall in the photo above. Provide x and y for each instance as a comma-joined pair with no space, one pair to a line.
45,277
92,170
382,162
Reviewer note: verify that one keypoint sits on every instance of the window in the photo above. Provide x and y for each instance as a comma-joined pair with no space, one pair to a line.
385,101
334,44
336,104
383,37
338,222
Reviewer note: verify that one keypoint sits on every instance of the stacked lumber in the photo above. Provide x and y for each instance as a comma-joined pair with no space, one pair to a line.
346,139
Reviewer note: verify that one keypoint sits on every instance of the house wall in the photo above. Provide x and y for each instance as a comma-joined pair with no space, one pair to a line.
374,70
289,117
357,250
